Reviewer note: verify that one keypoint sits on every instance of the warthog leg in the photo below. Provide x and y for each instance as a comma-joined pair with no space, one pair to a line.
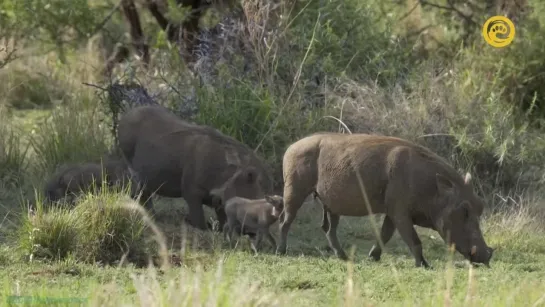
196,212
386,234
408,234
332,236
293,200
325,220
325,223
271,240
257,242
228,231
222,217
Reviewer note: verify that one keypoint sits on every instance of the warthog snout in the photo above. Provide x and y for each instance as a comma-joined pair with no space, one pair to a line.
481,255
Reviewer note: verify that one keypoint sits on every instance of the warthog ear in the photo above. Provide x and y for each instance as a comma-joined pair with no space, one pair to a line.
444,184
275,201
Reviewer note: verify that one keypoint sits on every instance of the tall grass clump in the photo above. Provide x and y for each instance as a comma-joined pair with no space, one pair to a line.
110,229
71,134
13,153
50,234
101,227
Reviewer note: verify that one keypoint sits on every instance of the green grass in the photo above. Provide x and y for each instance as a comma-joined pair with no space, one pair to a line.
308,274
360,68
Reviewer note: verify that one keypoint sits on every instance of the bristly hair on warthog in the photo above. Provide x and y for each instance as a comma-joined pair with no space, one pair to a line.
361,174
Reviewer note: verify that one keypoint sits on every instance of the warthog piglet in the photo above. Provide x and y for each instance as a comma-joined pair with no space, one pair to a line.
253,215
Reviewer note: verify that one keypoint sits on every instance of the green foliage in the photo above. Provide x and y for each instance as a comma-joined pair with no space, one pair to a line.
519,66
352,38
491,131
55,23
337,61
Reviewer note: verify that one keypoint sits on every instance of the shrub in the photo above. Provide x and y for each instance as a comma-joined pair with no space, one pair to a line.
51,234
99,228
109,229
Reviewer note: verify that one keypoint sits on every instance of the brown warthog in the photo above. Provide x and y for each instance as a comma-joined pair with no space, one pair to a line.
175,158
252,216
71,180
406,182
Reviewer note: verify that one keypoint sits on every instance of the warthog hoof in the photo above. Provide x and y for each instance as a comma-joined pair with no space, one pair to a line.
281,250
423,263
375,253
342,255
209,225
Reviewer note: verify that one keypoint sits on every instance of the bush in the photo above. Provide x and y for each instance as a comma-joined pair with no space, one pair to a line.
51,234
101,227
110,229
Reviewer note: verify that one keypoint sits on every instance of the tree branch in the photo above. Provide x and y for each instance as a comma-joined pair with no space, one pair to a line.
451,7
137,35
410,11
10,56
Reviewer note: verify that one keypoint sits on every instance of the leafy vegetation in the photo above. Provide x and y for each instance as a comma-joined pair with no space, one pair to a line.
414,69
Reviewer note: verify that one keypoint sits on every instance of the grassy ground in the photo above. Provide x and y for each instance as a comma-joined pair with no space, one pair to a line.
347,65
211,274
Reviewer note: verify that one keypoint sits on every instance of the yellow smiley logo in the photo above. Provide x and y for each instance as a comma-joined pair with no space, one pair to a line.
498,31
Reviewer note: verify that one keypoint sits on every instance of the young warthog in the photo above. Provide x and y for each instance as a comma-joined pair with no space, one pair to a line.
175,158
406,182
252,216
72,179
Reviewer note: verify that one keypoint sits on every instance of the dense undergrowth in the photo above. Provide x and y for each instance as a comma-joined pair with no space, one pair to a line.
352,66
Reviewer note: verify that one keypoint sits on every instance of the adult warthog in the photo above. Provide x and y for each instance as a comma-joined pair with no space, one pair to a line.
175,158
360,174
